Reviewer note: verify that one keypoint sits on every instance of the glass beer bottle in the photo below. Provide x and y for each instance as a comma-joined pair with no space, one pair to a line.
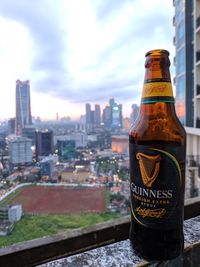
157,144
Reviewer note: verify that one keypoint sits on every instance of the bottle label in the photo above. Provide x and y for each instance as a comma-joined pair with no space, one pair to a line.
157,185
158,89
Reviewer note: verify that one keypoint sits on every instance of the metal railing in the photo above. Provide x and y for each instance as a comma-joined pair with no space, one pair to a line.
38,251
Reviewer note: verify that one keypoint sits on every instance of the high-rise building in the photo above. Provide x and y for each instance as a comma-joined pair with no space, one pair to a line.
116,111
134,112
88,113
111,101
44,145
97,115
19,150
29,132
23,106
187,63
107,116
11,126
185,40
112,115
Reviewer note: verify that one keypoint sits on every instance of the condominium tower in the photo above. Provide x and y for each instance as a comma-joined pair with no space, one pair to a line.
23,107
187,63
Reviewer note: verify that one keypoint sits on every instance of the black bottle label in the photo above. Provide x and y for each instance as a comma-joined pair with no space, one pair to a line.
157,185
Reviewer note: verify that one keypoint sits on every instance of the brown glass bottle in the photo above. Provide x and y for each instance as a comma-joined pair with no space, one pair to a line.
157,143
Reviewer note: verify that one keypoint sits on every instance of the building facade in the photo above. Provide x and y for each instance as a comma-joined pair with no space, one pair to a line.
184,23
19,150
23,106
66,149
134,112
97,115
187,64
112,115
44,145
88,113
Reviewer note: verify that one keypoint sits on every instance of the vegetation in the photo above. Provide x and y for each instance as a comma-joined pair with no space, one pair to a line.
124,173
106,166
31,226
10,197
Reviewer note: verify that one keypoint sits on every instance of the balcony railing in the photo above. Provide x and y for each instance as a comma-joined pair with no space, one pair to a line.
38,251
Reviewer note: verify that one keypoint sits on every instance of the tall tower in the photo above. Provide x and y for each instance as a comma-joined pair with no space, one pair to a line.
97,115
88,113
23,106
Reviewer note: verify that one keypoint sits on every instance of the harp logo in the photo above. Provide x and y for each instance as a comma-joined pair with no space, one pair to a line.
149,168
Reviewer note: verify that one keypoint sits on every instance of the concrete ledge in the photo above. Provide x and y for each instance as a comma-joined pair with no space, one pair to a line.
120,254
38,251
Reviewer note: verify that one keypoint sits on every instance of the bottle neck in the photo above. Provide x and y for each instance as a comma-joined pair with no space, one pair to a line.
163,111
157,82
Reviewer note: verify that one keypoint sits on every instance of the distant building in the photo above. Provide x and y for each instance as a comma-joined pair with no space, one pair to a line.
8,216
120,144
97,115
127,124
23,106
116,111
44,145
93,117
134,113
104,139
74,175
80,138
29,132
107,116
46,167
66,149
19,150
112,115
15,213
88,113
11,126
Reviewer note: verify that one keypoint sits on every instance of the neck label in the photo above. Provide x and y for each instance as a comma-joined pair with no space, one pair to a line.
157,89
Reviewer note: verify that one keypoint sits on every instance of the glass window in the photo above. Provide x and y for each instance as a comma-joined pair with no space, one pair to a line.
180,34
180,61
180,88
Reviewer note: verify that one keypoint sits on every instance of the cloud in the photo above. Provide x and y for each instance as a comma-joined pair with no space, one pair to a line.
87,51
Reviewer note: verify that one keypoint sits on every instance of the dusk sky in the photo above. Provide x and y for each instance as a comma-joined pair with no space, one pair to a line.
79,51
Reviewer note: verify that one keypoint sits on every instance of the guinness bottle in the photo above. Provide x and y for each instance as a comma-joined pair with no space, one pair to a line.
157,142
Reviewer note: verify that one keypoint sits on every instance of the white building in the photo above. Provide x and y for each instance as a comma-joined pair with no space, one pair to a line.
15,213
19,150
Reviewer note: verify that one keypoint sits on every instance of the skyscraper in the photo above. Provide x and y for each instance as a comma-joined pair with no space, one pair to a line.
44,143
97,115
134,112
88,113
187,64
107,116
23,106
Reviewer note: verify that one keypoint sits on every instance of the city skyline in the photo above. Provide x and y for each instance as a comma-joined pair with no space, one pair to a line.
79,52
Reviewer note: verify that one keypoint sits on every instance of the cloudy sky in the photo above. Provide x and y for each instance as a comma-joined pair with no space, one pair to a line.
79,51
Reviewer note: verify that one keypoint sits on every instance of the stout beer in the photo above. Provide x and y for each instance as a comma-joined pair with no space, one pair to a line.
157,143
